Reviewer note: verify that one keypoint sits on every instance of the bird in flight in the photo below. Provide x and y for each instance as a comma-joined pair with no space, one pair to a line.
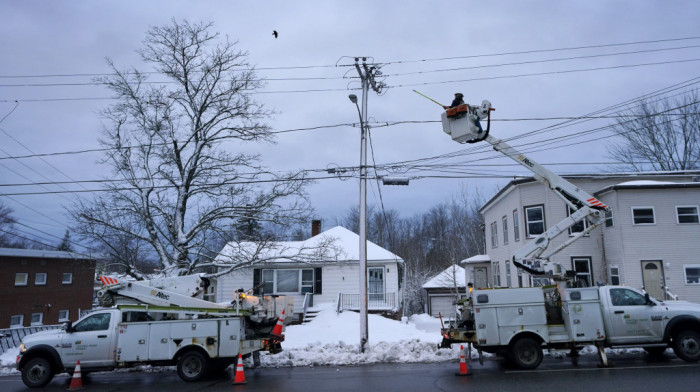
274,32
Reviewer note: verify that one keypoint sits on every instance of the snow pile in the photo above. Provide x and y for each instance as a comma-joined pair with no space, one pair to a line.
333,339
7,361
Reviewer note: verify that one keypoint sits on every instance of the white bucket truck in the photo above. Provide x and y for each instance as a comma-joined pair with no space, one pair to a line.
520,323
158,322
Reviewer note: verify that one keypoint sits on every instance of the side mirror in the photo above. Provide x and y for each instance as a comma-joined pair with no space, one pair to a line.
68,326
648,300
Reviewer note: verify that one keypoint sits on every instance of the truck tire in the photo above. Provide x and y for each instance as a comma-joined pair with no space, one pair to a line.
192,366
37,372
526,353
686,345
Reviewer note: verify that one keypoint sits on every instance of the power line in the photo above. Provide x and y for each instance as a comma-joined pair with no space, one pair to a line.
545,73
542,50
572,48
539,61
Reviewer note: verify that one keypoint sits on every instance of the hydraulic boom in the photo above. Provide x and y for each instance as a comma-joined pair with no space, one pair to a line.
463,124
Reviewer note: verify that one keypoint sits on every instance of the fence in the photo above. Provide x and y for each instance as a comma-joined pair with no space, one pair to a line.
12,337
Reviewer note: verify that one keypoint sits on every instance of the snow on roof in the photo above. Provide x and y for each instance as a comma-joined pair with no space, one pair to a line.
335,244
477,259
41,254
647,182
447,278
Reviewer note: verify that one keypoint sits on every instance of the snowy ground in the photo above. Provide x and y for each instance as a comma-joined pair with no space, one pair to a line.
333,339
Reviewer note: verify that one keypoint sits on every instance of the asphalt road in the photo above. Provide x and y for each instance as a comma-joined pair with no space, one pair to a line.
631,372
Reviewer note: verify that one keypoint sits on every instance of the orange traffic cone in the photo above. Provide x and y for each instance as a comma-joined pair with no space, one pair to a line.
239,376
463,371
277,331
76,383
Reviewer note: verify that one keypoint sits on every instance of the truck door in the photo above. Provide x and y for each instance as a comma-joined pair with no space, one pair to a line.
631,319
90,342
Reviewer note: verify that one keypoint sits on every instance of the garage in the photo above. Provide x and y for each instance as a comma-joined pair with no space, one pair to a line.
442,304
440,291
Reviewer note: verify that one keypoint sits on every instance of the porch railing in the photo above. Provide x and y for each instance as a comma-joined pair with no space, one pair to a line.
12,337
308,302
386,301
669,294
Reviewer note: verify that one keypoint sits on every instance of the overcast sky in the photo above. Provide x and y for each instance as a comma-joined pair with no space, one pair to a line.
517,54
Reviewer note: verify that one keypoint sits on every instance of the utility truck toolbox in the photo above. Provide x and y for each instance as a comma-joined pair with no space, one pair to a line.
500,314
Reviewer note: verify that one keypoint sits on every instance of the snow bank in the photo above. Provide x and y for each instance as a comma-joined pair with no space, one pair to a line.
7,361
333,339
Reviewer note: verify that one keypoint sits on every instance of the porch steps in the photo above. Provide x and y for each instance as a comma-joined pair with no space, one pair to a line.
310,315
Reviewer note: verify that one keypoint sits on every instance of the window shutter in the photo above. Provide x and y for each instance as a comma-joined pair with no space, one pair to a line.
317,280
256,281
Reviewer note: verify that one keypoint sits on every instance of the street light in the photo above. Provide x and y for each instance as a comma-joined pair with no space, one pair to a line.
364,330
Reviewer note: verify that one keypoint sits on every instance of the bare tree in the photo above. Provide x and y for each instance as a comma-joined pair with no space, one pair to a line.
171,144
662,136
6,225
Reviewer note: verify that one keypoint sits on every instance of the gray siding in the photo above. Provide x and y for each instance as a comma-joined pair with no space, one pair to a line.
624,245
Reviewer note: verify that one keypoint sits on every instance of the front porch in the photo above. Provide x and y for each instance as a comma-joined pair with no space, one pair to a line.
388,302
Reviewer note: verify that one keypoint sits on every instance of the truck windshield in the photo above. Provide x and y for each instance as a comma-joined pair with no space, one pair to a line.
95,322
626,297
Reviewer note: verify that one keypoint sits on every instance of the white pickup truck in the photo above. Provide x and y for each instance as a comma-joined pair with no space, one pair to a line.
519,323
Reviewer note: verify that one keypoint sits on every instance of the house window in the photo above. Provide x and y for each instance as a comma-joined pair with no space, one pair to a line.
63,316
687,214
516,226
505,229
292,281
643,215
520,277
37,318
67,278
508,276
582,268
494,235
614,275
692,274
579,226
496,274
17,321
307,281
210,294
21,278
609,218
534,221
40,279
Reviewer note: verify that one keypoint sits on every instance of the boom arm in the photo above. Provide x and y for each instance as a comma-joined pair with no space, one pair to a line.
463,125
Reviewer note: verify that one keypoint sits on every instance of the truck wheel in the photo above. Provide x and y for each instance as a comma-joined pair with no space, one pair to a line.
192,366
37,373
686,345
526,353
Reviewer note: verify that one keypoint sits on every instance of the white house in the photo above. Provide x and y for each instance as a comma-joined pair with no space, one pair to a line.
321,269
651,240
443,289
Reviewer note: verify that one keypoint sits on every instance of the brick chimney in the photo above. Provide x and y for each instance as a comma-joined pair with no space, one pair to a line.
315,227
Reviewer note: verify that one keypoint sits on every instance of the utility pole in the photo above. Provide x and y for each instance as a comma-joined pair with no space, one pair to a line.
367,74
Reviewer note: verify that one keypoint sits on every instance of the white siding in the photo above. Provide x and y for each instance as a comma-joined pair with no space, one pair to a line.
340,277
